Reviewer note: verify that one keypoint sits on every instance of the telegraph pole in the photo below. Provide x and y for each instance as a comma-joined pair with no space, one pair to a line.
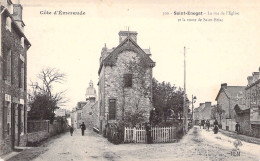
185,110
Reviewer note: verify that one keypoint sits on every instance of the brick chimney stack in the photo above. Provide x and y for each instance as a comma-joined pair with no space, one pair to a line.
208,104
224,85
250,80
255,76
18,15
124,34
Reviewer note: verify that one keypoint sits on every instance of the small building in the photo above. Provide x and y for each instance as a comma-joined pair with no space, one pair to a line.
228,97
253,101
13,77
125,80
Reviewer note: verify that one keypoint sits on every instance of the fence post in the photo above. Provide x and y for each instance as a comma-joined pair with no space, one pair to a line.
134,134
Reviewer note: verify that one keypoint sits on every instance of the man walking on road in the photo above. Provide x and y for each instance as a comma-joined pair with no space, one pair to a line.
83,128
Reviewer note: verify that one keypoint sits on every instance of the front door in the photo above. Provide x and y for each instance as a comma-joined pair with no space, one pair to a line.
19,125
12,125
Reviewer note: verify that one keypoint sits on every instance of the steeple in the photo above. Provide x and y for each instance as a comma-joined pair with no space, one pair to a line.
91,91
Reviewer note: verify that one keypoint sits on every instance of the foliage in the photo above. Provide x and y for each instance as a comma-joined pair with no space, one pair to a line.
217,112
131,119
115,133
43,101
167,101
41,107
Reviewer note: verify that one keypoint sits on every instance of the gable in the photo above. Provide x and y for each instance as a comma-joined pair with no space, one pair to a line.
127,45
222,90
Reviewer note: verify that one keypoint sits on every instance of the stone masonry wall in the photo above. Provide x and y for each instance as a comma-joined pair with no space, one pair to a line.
128,98
12,40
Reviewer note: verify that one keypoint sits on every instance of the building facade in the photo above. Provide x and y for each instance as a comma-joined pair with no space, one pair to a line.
228,97
125,80
203,112
253,101
13,77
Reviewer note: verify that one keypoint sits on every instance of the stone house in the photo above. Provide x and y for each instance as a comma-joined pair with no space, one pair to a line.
90,115
79,113
125,80
203,112
253,101
228,97
13,77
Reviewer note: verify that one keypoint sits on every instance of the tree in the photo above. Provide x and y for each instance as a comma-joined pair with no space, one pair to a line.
44,100
167,100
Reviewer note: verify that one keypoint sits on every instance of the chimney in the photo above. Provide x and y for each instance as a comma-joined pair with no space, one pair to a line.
224,85
201,104
255,76
92,99
207,104
124,34
250,80
18,15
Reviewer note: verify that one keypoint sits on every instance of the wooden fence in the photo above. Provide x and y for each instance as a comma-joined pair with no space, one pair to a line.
159,134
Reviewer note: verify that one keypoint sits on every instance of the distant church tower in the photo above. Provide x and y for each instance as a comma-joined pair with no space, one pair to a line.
91,91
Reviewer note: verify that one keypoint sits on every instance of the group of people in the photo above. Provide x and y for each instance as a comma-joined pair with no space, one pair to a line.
216,126
206,124
82,127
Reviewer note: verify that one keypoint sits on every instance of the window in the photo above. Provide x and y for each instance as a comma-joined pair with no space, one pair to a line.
128,80
7,64
8,24
112,109
21,73
22,41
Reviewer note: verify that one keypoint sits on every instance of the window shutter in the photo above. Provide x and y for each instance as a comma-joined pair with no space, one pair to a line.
112,109
128,80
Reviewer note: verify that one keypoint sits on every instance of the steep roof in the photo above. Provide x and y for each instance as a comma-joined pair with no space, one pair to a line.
127,44
232,91
241,110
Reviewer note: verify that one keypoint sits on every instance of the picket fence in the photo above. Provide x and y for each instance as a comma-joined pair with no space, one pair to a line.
159,134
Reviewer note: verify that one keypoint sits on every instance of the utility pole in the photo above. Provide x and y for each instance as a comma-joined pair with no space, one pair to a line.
185,110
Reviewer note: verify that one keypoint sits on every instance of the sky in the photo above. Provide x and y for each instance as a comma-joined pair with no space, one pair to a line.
226,51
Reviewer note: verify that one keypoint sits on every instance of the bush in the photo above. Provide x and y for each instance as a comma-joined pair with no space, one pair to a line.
115,134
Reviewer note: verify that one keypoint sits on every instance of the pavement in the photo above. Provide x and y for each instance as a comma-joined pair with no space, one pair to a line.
198,145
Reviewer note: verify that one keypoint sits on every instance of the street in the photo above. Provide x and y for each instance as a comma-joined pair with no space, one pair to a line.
198,144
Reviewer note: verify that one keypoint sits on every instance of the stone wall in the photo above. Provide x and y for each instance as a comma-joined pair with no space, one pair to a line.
14,83
36,137
244,121
128,98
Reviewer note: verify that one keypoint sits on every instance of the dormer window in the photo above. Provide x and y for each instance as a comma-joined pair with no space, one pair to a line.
8,24
22,41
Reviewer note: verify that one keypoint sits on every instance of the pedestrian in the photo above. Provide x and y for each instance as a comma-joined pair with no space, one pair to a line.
237,127
215,126
83,128
207,124
203,123
148,133
71,130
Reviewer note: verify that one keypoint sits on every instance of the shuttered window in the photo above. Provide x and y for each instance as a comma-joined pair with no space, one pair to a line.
112,109
128,80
